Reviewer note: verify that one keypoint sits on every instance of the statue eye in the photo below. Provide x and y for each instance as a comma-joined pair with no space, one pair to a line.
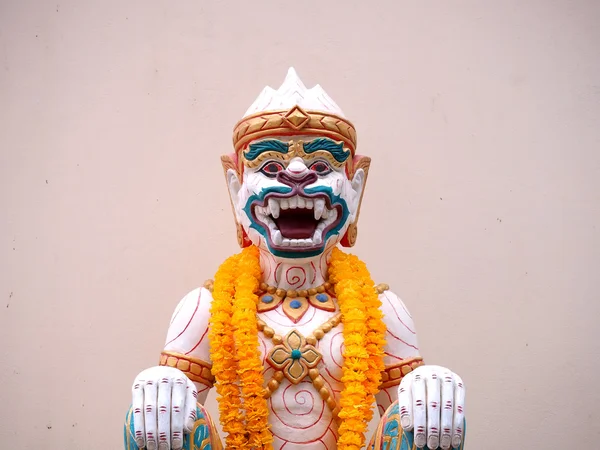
271,168
320,167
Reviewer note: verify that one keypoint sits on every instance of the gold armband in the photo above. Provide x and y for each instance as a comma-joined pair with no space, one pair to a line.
392,375
195,369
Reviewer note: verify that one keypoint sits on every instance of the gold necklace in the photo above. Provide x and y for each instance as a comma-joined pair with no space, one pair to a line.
295,302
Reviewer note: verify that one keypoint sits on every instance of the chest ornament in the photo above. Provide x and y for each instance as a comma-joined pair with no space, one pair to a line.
295,356
295,303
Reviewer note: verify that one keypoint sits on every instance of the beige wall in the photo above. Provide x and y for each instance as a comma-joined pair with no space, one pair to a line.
482,210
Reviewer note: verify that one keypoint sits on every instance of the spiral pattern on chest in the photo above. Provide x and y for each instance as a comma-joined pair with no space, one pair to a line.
298,407
295,276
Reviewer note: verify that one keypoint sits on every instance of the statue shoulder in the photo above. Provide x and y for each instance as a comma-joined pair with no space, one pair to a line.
401,335
188,328
392,306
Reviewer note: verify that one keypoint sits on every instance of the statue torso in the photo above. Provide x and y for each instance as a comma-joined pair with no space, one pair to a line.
299,416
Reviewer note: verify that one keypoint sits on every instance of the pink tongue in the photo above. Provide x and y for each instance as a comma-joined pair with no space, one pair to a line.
296,223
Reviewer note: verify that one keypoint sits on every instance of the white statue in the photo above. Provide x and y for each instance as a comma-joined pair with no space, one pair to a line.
291,332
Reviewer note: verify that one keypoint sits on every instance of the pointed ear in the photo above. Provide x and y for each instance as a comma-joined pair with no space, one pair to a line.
234,186
360,174
358,186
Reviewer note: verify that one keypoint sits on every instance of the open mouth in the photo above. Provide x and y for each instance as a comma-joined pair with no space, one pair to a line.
297,221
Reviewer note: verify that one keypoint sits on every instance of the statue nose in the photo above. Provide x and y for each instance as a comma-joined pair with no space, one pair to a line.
297,180
297,168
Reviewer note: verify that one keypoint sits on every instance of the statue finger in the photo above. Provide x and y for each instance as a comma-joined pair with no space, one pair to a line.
459,412
137,394
447,406
405,404
419,393
177,410
190,406
164,413
433,411
150,399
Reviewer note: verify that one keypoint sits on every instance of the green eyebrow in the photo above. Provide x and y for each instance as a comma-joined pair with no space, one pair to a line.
328,145
271,145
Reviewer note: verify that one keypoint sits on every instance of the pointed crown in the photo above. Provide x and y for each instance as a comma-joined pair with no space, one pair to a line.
291,110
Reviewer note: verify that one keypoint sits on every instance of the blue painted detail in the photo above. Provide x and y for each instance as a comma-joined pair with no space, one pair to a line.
296,354
322,297
200,440
295,304
267,298
201,435
271,145
329,145
393,437
259,198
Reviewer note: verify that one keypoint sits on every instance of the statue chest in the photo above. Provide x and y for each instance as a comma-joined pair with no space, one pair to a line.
302,371
305,351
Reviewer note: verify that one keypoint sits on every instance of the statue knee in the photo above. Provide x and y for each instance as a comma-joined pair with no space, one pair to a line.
204,435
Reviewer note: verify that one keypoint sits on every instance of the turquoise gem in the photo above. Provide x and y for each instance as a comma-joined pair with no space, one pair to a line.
295,304
267,298
322,298
296,354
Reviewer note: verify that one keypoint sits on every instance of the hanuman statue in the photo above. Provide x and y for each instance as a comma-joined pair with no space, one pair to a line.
294,335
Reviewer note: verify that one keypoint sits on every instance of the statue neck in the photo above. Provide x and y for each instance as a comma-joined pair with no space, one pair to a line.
294,274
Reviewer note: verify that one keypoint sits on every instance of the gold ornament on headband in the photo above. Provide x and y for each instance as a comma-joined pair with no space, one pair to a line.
294,121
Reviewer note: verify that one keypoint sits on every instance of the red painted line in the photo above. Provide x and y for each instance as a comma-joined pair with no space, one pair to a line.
393,356
401,340
276,273
398,315
188,324
199,342
299,428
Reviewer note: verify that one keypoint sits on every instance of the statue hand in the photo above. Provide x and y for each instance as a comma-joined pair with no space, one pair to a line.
164,406
431,400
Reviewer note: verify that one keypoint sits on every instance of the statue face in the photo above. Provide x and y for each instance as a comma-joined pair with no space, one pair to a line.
295,199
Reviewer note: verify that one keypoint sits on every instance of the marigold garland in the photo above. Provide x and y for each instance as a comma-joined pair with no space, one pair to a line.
237,365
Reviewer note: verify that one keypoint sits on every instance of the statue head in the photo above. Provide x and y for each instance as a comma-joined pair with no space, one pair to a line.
295,181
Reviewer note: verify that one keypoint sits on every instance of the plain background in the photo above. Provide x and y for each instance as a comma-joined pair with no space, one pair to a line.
482,208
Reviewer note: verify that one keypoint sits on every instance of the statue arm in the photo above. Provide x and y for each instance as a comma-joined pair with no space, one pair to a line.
186,346
401,350
430,398
164,397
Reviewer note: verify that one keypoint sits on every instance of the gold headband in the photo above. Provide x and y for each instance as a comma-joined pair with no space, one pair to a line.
293,121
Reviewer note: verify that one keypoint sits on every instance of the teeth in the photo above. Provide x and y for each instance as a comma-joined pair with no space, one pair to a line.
317,237
284,203
276,237
301,202
293,202
286,242
309,203
319,207
274,207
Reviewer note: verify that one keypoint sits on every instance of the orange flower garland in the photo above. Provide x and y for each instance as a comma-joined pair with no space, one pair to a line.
364,341
247,354
236,359
223,354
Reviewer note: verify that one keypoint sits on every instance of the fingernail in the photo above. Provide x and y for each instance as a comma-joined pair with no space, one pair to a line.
456,440
177,444
151,444
420,440
445,441
139,442
433,442
163,446
405,422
